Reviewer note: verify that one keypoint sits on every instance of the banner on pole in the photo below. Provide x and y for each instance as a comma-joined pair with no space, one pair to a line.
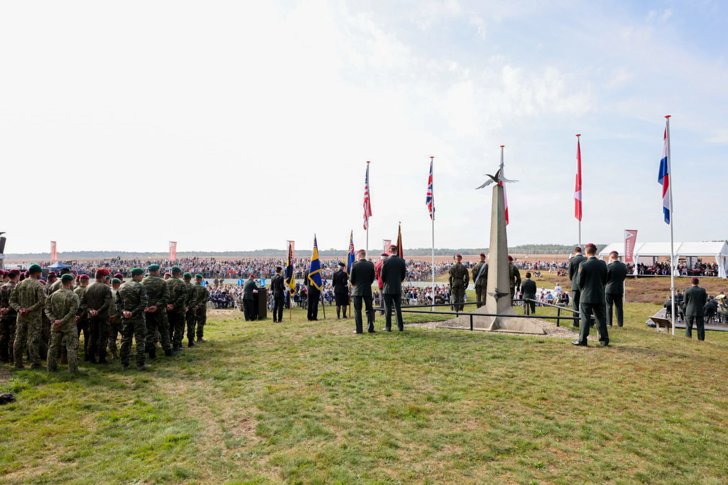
54,252
173,251
630,237
386,243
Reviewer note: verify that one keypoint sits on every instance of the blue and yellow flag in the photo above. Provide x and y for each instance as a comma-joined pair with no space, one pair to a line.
314,272
290,280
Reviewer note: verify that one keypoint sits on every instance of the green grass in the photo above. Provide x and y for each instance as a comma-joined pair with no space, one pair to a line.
309,402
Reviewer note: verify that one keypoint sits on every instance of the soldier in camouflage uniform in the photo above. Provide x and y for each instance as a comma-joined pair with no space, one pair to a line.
82,321
7,317
115,317
177,307
190,312
201,295
61,309
459,280
514,277
480,278
134,301
156,312
98,301
27,299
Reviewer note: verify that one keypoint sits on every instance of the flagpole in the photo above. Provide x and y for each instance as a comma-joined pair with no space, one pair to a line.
432,217
581,190
672,216
370,197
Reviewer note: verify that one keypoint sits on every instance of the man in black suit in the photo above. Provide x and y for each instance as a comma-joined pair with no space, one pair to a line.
591,278
362,278
574,263
616,273
278,287
394,271
250,289
695,298
528,288
341,290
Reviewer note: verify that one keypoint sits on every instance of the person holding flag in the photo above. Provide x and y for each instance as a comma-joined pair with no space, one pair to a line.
289,279
315,283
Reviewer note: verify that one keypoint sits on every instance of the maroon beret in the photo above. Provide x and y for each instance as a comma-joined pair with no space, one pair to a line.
102,272
83,277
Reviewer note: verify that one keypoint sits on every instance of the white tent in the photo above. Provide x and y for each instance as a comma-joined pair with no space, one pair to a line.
717,250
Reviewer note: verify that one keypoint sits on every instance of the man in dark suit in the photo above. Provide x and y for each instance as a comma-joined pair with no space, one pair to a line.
362,278
278,287
394,271
341,290
695,298
250,309
528,288
574,263
616,273
591,278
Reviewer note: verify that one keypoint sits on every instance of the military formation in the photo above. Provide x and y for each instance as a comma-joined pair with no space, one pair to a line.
43,322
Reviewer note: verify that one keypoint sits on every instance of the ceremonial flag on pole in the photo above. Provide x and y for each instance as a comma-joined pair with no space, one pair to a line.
385,244
54,252
351,255
663,178
314,272
367,200
400,250
173,251
290,280
630,237
577,185
430,196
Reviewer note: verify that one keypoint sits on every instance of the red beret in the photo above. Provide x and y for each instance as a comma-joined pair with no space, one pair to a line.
482,255
510,258
83,277
102,272
119,276
13,273
52,274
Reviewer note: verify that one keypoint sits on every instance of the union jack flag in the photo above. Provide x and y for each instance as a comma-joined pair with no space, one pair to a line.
367,200
430,194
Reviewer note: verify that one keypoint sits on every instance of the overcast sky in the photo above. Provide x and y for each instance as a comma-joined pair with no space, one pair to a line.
239,125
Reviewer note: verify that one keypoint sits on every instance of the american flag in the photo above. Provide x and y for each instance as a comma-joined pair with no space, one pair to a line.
430,195
367,200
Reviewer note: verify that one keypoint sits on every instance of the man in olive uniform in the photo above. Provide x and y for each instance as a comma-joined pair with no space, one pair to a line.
61,309
480,278
250,289
202,295
56,285
278,287
340,282
394,271
82,320
176,308
529,295
134,301
574,263
514,277
97,301
695,298
8,316
616,273
115,317
362,277
156,312
28,299
591,278
459,281
190,312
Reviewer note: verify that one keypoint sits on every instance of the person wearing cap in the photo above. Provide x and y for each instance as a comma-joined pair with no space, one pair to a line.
340,281
56,285
114,318
52,278
250,310
480,279
82,320
61,309
134,302
514,277
394,271
278,287
459,280
591,279
176,308
190,311
199,302
97,300
362,277
378,275
694,301
8,315
156,312
576,259
28,299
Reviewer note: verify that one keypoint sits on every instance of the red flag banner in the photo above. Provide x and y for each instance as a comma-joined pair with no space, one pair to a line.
577,185
54,252
630,237
173,251
386,243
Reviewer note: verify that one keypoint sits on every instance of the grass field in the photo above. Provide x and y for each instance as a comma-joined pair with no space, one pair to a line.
309,402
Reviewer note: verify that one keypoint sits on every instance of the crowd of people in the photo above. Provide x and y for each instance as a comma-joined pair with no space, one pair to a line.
683,269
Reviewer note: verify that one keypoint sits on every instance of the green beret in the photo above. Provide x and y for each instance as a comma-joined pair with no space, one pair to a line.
115,281
198,276
34,268
153,267
176,270
66,278
188,275
137,271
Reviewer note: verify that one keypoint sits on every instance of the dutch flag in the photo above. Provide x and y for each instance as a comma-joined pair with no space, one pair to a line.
664,179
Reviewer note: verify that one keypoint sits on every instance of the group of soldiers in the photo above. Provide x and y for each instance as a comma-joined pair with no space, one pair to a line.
459,279
43,320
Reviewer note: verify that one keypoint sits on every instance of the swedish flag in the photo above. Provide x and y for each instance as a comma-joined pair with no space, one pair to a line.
314,272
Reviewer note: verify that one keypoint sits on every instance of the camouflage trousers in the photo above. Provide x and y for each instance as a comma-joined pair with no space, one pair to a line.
191,318
98,337
114,331
201,320
480,295
457,297
157,322
176,327
68,337
134,328
27,337
7,337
